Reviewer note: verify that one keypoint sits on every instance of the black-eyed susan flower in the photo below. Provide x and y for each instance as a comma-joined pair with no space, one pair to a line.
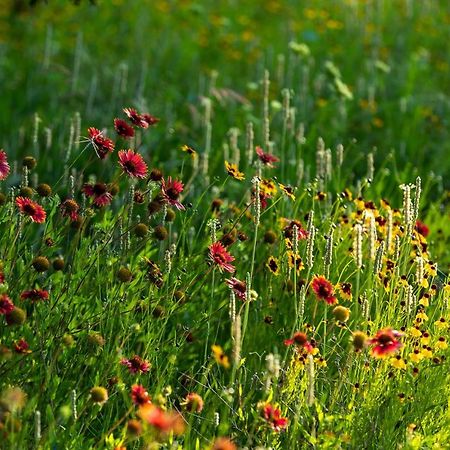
295,261
345,290
233,171
287,190
189,150
273,265
220,356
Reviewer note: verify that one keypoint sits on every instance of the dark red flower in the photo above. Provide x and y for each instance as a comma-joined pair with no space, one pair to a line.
323,289
22,347
132,163
288,230
219,256
139,395
136,118
32,209
266,158
171,190
301,340
99,192
136,364
2,277
123,129
35,295
6,305
151,120
422,228
102,145
239,287
385,342
4,166
69,208
272,415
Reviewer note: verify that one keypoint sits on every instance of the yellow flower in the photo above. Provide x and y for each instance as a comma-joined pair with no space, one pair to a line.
189,150
268,187
398,362
345,290
441,324
415,332
416,356
220,357
233,171
294,260
441,344
273,265
288,190
426,352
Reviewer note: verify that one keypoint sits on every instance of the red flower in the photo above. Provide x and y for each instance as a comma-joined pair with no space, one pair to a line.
2,277
132,163
99,191
123,129
288,230
22,347
102,145
266,158
422,228
151,120
239,287
272,415
385,342
163,421
136,118
6,305
221,257
32,209
35,295
69,208
323,289
136,364
139,395
4,166
171,190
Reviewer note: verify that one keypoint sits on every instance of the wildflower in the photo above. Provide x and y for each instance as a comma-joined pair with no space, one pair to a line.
123,129
288,230
441,343
266,158
99,192
102,145
220,356
151,120
132,163
136,364
219,256
385,342
17,316
273,265
44,190
4,166
69,208
134,428
239,287
300,339
268,187
272,415
171,190
189,150
141,230
323,289
398,362
136,118
345,290
99,395
21,346
270,237
32,209
6,305
422,229
359,340
35,295
139,395
341,313
193,402
41,264
295,261
288,190
233,171
223,443
163,421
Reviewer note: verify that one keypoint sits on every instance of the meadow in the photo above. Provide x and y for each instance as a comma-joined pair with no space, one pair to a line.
224,225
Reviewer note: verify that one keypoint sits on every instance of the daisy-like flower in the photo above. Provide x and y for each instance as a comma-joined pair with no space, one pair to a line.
268,187
295,261
233,171
22,347
219,256
345,290
163,421
223,443
139,395
135,118
272,416
102,145
171,190
422,229
4,166
136,364
288,230
239,287
220,356
300,339
193,402
189,150
266,158
35,295
273,265
6,305
132,163
288,190
69,208
151,120
323,289
123,129
385,343
32,209
99,192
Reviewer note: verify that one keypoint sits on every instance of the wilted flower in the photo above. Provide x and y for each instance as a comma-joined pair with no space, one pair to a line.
99,395
32,209
21,346
69,208
193,402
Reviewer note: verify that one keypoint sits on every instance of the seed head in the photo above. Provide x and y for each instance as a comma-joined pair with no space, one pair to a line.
41,264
